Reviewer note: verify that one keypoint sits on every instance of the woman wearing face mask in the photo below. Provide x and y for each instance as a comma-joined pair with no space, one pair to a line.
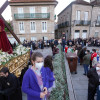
35,81
94,81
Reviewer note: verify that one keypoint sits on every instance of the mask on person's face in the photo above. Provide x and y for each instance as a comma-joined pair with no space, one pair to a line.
39,65
97,68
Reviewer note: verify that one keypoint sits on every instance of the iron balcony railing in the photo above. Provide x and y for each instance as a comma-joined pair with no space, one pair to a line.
62,25
78,22
32,16
86,23
67,23
82,23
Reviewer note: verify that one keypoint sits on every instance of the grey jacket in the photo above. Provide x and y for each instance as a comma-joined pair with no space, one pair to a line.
86,59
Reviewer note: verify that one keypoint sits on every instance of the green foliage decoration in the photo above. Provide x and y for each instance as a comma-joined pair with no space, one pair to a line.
60,92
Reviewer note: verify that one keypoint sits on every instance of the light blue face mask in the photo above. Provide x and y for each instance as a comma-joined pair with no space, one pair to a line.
97,68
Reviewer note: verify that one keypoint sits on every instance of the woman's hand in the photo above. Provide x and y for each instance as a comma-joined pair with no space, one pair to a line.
45,90
42,95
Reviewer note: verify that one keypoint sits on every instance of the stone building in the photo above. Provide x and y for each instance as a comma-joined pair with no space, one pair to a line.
79,19
33,19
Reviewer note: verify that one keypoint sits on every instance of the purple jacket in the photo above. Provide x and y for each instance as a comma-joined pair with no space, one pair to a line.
50,75
30,84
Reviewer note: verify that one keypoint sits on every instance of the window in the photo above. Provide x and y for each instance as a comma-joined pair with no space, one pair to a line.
33,39
45,38
98,18
32,27
96,34
21,27
32,9
78,15
86,16
84,34
20,10
44,12
44,26
20,13
22,39
76,34
44,9
32,12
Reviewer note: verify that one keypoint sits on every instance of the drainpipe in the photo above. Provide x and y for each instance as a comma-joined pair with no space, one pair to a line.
90,20
70,22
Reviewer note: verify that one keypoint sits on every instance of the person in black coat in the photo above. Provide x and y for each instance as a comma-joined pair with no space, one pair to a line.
52,46
11,88
93,82
63,43
82,54
2,81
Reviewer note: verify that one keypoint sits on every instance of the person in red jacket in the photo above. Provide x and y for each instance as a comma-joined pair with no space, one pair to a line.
94,54
66,48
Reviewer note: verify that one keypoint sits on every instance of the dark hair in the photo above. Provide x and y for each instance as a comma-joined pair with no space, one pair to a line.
94,50
35,55
88,51
48,62
4,70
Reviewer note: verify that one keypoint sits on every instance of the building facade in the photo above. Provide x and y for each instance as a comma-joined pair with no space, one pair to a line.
79,20
33,19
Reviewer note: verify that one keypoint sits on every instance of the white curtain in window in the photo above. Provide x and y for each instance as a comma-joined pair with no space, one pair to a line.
32,25
21,27
44,11
78,15
86,16
44,26
20,13
32,11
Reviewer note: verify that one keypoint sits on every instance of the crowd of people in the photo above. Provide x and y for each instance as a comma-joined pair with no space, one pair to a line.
90,61
37,79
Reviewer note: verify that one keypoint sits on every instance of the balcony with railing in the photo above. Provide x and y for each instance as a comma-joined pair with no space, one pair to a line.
67,23
97,24
78,22
82,23
86,23
62,25
32,16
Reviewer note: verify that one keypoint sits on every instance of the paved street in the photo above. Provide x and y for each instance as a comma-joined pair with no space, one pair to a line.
80,84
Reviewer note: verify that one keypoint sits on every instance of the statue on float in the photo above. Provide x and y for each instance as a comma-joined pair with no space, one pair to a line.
4,42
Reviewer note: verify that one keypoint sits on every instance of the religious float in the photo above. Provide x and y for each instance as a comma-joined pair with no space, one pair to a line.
15,59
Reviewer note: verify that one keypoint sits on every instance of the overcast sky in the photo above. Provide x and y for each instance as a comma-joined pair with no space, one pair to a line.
61,5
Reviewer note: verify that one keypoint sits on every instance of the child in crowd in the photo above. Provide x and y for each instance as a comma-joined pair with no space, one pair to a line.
48,66
35,82
66,48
